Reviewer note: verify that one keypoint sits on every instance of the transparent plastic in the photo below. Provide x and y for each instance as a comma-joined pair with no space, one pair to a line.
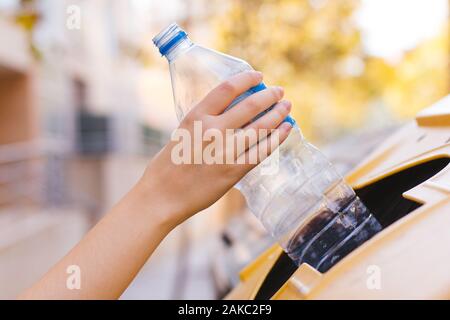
305,205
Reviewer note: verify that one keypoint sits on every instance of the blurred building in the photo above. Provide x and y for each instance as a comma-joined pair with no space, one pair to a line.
95,80
71,141
34,234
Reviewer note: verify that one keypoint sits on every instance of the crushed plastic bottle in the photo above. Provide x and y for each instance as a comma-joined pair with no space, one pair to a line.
306,205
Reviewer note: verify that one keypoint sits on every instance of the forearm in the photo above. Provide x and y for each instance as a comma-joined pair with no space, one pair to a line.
113,252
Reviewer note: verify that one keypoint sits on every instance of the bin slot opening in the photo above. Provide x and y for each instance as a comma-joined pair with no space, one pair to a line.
384,200
281,271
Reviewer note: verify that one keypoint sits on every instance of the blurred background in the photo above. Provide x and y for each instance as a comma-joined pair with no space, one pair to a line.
85,102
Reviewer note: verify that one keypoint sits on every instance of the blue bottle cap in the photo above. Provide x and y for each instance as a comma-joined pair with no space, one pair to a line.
169,37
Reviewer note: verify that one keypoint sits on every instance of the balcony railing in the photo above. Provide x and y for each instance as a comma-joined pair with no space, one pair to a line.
32,173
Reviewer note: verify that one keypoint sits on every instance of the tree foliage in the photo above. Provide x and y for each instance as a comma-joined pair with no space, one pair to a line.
314,49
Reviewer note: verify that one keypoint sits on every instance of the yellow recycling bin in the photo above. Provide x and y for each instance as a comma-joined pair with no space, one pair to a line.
405,183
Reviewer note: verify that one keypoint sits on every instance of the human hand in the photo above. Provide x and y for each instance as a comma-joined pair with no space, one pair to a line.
168,193
186,188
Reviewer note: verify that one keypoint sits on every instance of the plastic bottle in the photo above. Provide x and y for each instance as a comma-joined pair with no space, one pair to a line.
306,206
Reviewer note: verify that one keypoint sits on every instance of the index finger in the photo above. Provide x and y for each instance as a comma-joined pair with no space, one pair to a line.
223,95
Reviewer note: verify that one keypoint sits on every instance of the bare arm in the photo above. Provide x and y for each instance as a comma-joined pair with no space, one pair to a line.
114,251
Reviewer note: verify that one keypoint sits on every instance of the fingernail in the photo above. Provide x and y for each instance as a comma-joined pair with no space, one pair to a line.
280,91
258,74
286,126
284,105
287,105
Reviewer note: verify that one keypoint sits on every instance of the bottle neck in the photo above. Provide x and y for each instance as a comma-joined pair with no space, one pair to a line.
178,49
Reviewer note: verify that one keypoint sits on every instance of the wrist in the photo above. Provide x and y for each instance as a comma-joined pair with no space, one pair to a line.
156,203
